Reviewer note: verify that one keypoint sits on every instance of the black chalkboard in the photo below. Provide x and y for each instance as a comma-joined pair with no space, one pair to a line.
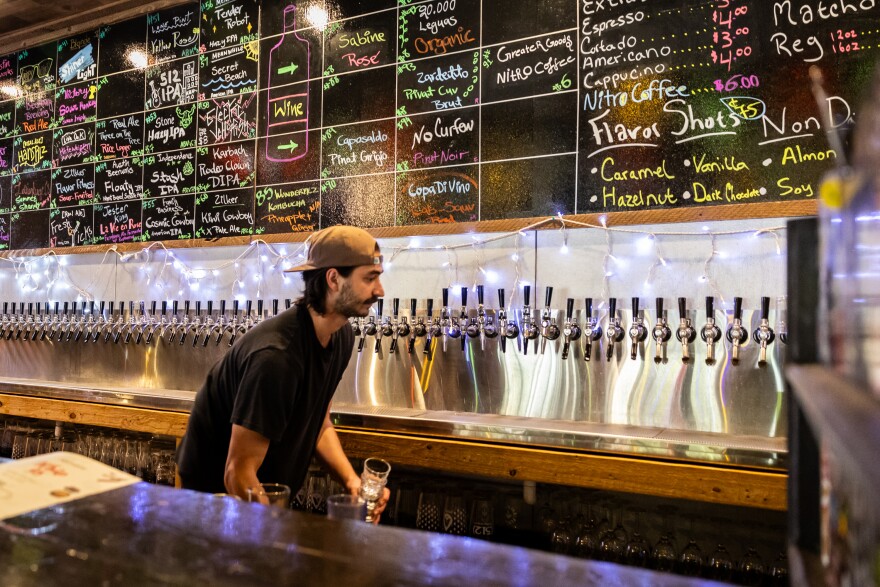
244,117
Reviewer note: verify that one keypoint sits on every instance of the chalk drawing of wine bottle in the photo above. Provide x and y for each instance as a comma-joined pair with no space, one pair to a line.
287,136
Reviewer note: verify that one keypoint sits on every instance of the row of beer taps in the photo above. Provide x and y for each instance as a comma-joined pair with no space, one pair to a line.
541,324
90,322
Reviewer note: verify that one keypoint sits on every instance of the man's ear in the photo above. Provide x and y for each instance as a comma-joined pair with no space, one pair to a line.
333,280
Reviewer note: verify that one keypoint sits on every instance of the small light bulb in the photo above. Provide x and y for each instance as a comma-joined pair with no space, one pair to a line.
563,249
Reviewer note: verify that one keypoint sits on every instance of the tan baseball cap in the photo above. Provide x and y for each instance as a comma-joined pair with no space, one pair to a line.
341,246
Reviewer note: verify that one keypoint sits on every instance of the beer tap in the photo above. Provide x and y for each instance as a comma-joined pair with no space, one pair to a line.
736,334
763,334
355,322
29,322
549,328
661,334
385,328
434,328
40,324
238,326
508,328
62,322
781,316
172,324
484,323
100,321
529,328
23,318
710,333
570,330
637,331
13,323
154,322
108,326
287,303
370,329
222,322
401,326
88,325
685,333
418,326
208,326
197,324
132,322
472,326
463,318
81,323
614,333
71,325
185,325
4,322
449,325
139,323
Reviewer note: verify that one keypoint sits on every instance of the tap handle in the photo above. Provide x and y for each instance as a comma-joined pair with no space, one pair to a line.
260,308
275,307
430,307
548,296
112,303
445,297
30,307
412,308
588,309
222,307
737,308
682,308
210,307
40,309
186,308
765,308
500,299
464,296
82,307
569,309
287,303
635,308
164,307
174,306
395,305
480,294
248,306
659,309
198,307
710,307
235,308
153,308
46,308
381,302
5,307
527,294
91,307
612,309
65,307
21,307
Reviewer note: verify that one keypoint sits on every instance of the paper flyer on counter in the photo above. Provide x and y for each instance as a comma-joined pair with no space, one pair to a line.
54,478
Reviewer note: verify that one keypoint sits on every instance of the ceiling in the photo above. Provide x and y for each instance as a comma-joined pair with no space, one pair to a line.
27,23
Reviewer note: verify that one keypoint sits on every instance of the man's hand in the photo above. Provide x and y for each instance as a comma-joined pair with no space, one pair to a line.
353,485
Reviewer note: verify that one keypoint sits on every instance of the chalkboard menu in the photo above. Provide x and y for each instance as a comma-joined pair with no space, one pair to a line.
244,117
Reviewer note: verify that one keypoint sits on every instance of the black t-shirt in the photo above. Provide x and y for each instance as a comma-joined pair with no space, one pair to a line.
276,380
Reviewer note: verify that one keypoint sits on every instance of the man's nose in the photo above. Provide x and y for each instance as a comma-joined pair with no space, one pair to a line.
379,291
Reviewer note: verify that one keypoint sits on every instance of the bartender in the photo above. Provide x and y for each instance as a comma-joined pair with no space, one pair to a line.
264,408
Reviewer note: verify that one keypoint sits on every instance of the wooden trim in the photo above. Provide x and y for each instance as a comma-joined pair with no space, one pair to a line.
137,419
80,21
706,483
646,217
703,483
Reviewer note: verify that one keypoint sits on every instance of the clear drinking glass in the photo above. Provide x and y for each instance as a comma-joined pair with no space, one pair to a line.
373,480
276,494
454,516
482,518
751,568
428,511
343,506
720,564
316,494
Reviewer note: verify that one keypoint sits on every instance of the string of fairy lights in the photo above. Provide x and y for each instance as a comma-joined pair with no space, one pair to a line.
158,267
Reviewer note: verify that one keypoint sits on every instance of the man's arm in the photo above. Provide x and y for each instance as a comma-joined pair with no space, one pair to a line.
247,449
330,451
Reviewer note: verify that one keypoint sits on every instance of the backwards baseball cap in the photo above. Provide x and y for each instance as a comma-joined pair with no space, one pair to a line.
341,246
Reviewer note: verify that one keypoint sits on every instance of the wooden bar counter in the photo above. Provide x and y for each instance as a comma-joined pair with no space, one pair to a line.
150,535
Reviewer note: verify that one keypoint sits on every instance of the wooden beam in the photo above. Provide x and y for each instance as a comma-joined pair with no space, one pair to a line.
694,214
705,483
137,419
698,482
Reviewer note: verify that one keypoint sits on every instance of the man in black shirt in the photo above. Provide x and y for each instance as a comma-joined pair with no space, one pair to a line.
264,408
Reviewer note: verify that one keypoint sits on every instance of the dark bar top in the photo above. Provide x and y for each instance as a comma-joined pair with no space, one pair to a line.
149,535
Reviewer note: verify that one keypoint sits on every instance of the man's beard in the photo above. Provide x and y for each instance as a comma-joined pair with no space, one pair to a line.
349,305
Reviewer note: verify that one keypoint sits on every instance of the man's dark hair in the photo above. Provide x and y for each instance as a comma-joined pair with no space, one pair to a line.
315,292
